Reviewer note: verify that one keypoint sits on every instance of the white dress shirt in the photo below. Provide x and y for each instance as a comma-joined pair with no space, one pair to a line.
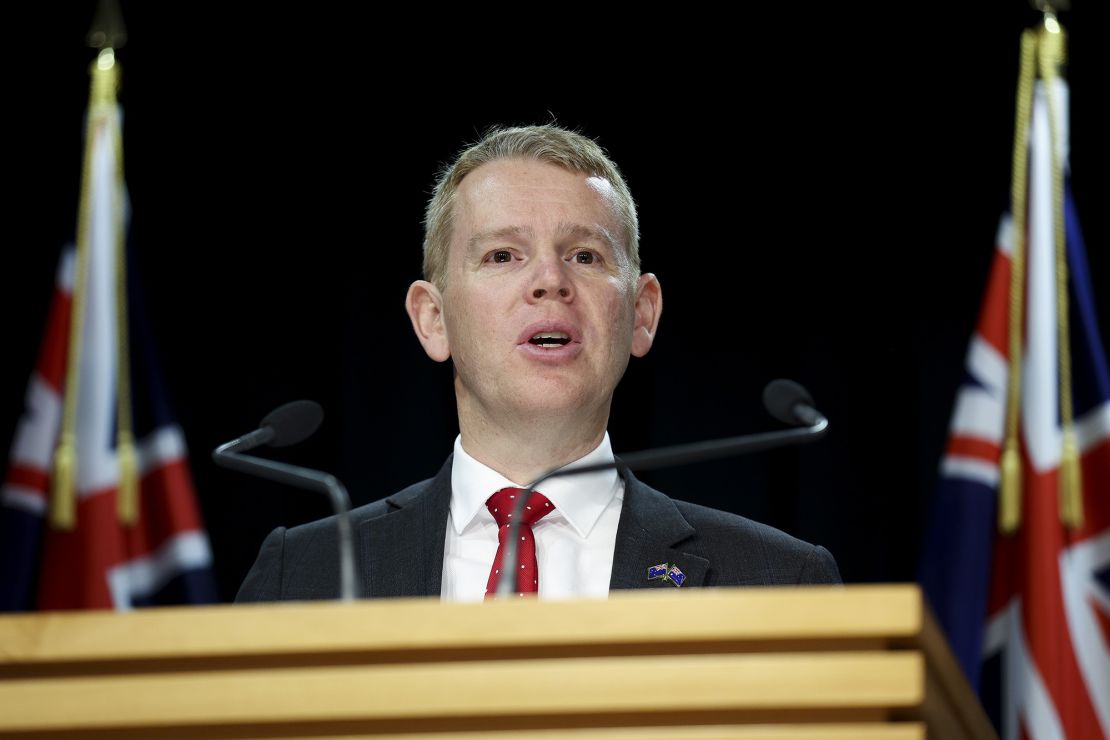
574,543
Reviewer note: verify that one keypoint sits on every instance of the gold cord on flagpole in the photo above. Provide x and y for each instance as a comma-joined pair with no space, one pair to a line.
63,503
108,34
63,479
1052,52
127,499
1009,489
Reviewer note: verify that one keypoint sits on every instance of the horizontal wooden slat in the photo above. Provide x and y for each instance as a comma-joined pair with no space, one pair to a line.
493,689
821,731
691,617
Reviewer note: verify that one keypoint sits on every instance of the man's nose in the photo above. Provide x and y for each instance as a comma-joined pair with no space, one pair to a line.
551,280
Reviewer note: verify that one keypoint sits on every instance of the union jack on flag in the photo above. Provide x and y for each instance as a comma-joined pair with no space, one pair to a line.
1027,612
102,558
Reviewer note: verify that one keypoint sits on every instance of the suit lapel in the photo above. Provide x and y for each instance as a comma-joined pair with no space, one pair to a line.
650,532
402,550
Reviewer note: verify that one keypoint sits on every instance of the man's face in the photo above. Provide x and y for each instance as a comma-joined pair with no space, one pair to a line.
541,308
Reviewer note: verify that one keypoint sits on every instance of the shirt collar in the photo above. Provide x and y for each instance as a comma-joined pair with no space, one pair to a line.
580,499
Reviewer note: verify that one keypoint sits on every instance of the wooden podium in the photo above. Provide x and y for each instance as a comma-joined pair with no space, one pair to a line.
816,662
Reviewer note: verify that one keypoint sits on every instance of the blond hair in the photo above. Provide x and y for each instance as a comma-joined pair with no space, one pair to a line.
548,143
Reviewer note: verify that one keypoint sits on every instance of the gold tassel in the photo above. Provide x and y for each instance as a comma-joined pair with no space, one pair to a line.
1071,483
63,491
1009,489
127,502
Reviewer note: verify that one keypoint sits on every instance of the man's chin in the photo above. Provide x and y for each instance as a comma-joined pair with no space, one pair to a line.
553,398
545,404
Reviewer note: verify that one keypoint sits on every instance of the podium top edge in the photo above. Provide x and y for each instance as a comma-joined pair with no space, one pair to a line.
809,614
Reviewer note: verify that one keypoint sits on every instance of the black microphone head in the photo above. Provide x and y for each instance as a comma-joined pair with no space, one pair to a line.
293,422
781,398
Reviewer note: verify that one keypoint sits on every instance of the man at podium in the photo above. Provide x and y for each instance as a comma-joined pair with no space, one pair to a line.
533,290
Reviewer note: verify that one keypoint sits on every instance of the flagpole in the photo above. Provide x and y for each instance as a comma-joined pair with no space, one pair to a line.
1043,51
107,34
1052,53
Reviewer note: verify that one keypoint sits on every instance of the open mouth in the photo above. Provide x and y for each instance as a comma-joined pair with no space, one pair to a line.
550,339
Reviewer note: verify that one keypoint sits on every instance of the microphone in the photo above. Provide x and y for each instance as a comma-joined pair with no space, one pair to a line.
790,403
284,426
784,399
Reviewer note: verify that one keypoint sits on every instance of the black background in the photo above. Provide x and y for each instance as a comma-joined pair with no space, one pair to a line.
819,190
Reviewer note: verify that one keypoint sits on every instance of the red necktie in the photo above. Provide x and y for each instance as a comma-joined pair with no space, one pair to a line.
501,505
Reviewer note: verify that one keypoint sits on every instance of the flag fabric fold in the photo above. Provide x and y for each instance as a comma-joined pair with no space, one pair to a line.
72,545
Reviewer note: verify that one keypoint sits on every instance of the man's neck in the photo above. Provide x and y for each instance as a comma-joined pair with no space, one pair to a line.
524,451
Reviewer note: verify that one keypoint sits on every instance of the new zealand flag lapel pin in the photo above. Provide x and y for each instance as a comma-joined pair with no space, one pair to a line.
657,572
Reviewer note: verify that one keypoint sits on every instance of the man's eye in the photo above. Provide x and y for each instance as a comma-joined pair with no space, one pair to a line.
501,255
585,258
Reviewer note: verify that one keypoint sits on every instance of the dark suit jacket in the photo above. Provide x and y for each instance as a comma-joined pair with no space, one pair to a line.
399,544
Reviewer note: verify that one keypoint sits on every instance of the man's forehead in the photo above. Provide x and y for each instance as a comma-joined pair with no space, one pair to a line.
487,180
528,175
496,189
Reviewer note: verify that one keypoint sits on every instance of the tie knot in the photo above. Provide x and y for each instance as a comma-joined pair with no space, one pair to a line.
503,503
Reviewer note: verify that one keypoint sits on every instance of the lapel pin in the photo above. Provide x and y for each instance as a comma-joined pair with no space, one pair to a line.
666,572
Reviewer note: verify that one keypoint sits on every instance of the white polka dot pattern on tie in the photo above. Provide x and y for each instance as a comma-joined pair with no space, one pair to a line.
501,506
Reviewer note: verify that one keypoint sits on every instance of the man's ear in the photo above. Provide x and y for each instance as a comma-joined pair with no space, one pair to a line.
649,306
424,304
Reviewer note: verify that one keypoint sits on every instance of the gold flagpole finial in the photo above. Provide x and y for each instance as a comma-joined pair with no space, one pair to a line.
1052,39
1049,7
108,30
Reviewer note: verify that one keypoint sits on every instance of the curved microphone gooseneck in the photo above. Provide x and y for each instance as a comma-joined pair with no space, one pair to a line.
784,399
284,426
